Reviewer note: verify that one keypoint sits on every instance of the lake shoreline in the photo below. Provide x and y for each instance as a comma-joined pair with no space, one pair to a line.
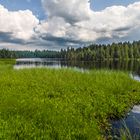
62,103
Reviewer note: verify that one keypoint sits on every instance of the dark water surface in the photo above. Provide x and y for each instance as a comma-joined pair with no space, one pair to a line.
133,66
131,123
128,126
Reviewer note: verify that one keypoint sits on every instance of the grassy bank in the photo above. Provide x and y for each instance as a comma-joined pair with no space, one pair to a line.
48,104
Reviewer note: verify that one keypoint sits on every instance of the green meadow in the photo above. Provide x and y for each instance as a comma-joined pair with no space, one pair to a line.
64,104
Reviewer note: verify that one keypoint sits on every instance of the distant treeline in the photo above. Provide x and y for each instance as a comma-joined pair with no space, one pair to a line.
5,53
95,52
114,51
37,54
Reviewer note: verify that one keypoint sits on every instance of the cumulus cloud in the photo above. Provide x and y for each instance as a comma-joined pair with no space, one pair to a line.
72,11
19,24
70,23
75,20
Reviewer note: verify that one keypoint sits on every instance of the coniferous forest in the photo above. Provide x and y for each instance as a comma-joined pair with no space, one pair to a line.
94,52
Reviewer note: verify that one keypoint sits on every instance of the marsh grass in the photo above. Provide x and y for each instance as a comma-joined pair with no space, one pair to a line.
62,104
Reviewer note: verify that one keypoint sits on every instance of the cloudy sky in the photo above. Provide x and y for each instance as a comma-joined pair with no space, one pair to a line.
55,24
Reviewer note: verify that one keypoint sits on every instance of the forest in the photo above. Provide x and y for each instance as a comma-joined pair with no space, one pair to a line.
5,53
94,52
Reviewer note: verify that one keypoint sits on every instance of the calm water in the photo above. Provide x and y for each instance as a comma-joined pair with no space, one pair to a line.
132,66
129,125
132,120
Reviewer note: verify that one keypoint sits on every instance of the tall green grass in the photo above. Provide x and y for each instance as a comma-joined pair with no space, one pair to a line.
49,104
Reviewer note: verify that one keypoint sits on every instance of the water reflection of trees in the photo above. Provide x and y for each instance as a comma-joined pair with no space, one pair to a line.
132,66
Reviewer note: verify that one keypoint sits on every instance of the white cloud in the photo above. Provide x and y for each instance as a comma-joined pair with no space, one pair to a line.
71,11
20,24
56,26
75,20
70,23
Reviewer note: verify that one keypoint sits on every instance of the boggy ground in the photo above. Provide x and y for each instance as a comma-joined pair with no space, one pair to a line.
49,104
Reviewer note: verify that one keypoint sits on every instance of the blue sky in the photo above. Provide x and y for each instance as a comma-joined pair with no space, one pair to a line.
51,24
101,4
36,7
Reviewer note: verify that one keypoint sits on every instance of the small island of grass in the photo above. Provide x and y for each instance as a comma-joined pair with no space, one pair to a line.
62,104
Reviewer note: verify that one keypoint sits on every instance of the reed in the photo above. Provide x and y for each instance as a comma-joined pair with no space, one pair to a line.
64,104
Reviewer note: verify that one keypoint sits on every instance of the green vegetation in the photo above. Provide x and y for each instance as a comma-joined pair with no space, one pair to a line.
5,53
49,104
95,52
37,54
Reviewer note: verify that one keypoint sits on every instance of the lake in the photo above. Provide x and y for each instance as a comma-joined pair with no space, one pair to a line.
130,125
132,119
132,66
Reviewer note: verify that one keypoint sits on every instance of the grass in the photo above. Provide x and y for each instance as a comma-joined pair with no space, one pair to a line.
49,104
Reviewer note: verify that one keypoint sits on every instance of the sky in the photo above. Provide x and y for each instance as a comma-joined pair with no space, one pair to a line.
56,24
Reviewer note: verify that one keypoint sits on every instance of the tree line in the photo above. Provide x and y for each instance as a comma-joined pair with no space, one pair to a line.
5,53
94,52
